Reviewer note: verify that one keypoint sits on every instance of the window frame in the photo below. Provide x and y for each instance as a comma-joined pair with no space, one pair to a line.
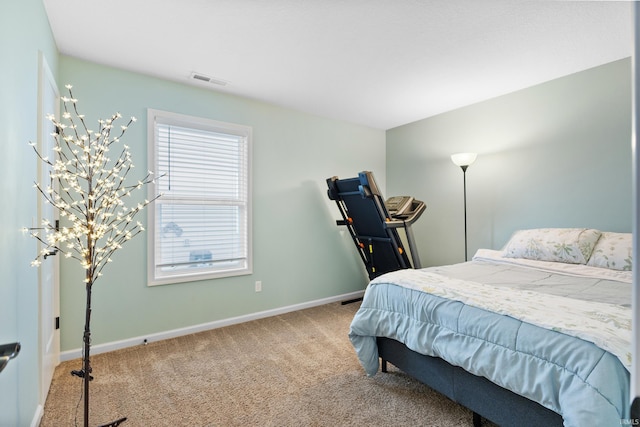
164,117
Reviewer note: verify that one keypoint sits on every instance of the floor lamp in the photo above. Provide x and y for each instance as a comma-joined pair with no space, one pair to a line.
464,160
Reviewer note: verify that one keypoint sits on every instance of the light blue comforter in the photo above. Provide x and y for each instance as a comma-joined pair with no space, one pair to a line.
587,385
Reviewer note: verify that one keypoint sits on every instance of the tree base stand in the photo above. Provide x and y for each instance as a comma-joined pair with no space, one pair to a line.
80,373
114,423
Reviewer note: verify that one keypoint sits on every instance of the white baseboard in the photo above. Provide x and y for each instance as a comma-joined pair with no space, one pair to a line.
130,342
35,422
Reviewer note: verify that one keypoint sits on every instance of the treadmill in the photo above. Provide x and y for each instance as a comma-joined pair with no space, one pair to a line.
374,223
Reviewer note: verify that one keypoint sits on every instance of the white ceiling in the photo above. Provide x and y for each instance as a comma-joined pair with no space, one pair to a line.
380,63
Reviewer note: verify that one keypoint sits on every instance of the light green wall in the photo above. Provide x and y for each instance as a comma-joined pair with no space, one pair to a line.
557,154
299,253
24,31
553,155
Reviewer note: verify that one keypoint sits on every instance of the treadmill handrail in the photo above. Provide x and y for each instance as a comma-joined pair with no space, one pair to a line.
397,222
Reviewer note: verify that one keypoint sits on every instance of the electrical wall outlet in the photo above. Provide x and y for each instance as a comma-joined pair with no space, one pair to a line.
258,286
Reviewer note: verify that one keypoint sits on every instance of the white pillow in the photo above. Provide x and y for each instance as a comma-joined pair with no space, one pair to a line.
568,245
613,251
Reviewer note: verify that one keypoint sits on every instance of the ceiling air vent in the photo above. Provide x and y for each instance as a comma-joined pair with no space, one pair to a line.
206,79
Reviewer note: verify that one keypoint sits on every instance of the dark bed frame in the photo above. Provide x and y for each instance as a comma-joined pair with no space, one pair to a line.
484,398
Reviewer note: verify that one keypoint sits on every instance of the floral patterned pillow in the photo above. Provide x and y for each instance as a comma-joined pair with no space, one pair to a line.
568,245
613,251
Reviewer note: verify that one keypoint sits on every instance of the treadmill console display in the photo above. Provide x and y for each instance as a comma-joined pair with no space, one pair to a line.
399,205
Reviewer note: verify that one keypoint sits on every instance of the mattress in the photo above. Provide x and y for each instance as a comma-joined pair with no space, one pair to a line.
556,333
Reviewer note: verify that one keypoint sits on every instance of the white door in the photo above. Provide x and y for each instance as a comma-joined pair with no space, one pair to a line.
48,277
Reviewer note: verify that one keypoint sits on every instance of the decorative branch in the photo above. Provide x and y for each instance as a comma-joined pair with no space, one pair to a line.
88,189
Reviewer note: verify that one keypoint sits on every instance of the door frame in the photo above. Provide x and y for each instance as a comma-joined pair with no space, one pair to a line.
48,299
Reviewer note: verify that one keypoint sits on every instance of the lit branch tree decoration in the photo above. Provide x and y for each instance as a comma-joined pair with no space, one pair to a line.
87,188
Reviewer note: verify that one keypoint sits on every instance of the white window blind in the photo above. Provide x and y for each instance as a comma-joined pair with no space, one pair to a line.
201,222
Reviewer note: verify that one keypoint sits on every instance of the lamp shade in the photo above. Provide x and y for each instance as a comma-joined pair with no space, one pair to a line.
463,159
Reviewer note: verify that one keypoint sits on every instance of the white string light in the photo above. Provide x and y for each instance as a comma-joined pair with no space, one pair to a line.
88,192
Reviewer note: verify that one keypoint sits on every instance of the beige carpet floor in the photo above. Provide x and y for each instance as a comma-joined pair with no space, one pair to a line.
295,369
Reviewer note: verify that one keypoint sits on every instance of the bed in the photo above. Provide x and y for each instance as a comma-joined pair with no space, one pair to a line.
538,333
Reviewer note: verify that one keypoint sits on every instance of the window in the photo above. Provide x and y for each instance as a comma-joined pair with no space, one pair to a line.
200,227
